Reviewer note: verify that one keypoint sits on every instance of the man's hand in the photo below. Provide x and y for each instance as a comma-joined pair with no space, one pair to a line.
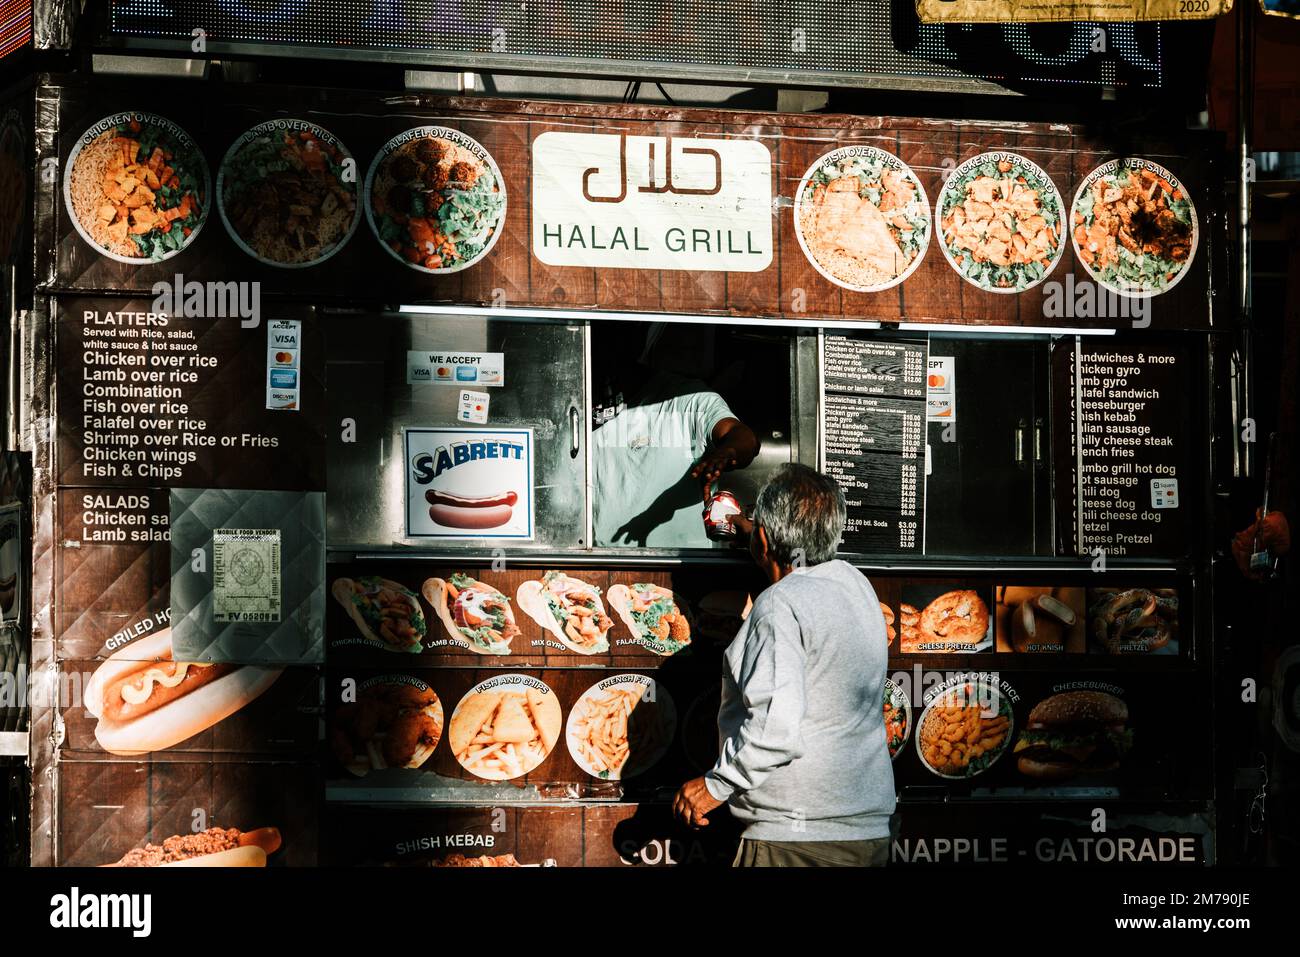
693,802
711,466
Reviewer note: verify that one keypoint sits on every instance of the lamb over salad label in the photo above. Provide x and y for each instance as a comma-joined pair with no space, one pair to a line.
1134,227
1000,222
862,218
435,199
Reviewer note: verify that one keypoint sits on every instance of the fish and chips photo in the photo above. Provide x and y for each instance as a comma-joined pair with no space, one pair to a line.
396,722
136,187
435,199
384,611
1000,222
964,730
505,727
862,218
1134,227
621,726
284,196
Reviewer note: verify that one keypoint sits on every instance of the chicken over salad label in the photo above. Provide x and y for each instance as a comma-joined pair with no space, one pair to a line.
1000,222
1134,227
862,218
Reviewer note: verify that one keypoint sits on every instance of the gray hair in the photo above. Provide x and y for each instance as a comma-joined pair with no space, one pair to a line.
802,512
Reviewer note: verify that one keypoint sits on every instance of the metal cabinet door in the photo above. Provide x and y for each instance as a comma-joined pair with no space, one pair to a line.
987,491
367,384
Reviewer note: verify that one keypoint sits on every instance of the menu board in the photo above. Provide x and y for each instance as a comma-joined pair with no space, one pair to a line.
1123,450
151,396
874,402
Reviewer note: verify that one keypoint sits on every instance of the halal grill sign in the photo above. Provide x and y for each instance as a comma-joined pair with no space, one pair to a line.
615,201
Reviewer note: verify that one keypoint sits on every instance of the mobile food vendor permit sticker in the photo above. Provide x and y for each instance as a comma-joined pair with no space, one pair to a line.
469,483
246,575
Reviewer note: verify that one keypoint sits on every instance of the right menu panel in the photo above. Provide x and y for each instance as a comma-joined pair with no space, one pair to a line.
1124,453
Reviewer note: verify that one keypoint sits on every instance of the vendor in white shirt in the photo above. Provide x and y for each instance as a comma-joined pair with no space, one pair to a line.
659,441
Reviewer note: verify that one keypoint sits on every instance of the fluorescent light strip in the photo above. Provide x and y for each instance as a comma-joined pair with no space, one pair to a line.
509,312
512,312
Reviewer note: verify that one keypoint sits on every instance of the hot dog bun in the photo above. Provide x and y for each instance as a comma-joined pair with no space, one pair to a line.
252,856
472,518
176,720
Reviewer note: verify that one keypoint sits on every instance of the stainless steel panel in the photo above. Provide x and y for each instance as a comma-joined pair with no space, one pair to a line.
366,377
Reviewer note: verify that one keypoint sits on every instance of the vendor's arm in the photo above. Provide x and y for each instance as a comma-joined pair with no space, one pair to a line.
732,445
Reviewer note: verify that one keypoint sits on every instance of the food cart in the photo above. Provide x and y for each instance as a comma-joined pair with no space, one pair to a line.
268,446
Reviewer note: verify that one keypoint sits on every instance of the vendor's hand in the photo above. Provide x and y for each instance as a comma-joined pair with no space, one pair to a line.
711,466
744,526
693,803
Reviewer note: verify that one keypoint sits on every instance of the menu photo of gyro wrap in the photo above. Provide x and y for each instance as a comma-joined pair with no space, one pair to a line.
474,615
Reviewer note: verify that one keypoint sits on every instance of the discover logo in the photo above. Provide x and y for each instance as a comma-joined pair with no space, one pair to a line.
77,910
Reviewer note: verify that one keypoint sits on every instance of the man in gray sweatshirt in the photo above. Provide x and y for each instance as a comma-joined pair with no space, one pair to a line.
804,763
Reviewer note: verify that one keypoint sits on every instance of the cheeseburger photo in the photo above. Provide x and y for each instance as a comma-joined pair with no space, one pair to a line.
1077,732
146,701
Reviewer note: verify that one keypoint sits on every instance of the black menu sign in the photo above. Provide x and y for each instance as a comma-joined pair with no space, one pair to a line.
874,402
1123,448
149,398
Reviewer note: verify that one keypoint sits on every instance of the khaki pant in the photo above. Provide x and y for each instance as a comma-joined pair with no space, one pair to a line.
874,853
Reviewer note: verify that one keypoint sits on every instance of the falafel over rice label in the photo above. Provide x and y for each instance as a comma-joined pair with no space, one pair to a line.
1134,227
435,199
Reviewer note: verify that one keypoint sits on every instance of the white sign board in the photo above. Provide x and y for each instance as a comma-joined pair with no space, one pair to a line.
614,201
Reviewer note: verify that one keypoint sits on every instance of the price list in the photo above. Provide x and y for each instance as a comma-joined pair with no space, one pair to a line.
874,405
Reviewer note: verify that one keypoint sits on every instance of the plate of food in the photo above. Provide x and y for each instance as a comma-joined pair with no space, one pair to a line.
621,726
435,199
504,727
862,218
475,614
287,193
898,718
568,608
947,622
1134,227
384,611
964,730
396,722
1001,222
653,615
136,187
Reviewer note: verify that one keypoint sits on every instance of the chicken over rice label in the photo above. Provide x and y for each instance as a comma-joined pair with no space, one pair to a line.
1134,227
862,218
136,187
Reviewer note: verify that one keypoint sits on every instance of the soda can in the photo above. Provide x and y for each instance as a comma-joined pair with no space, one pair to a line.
719,511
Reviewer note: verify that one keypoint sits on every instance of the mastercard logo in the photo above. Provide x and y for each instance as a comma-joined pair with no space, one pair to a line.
936,380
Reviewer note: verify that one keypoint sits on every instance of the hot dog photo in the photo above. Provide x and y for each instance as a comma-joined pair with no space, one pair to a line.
469,483
144,700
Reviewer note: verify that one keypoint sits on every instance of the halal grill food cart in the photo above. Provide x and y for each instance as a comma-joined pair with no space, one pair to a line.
350,506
